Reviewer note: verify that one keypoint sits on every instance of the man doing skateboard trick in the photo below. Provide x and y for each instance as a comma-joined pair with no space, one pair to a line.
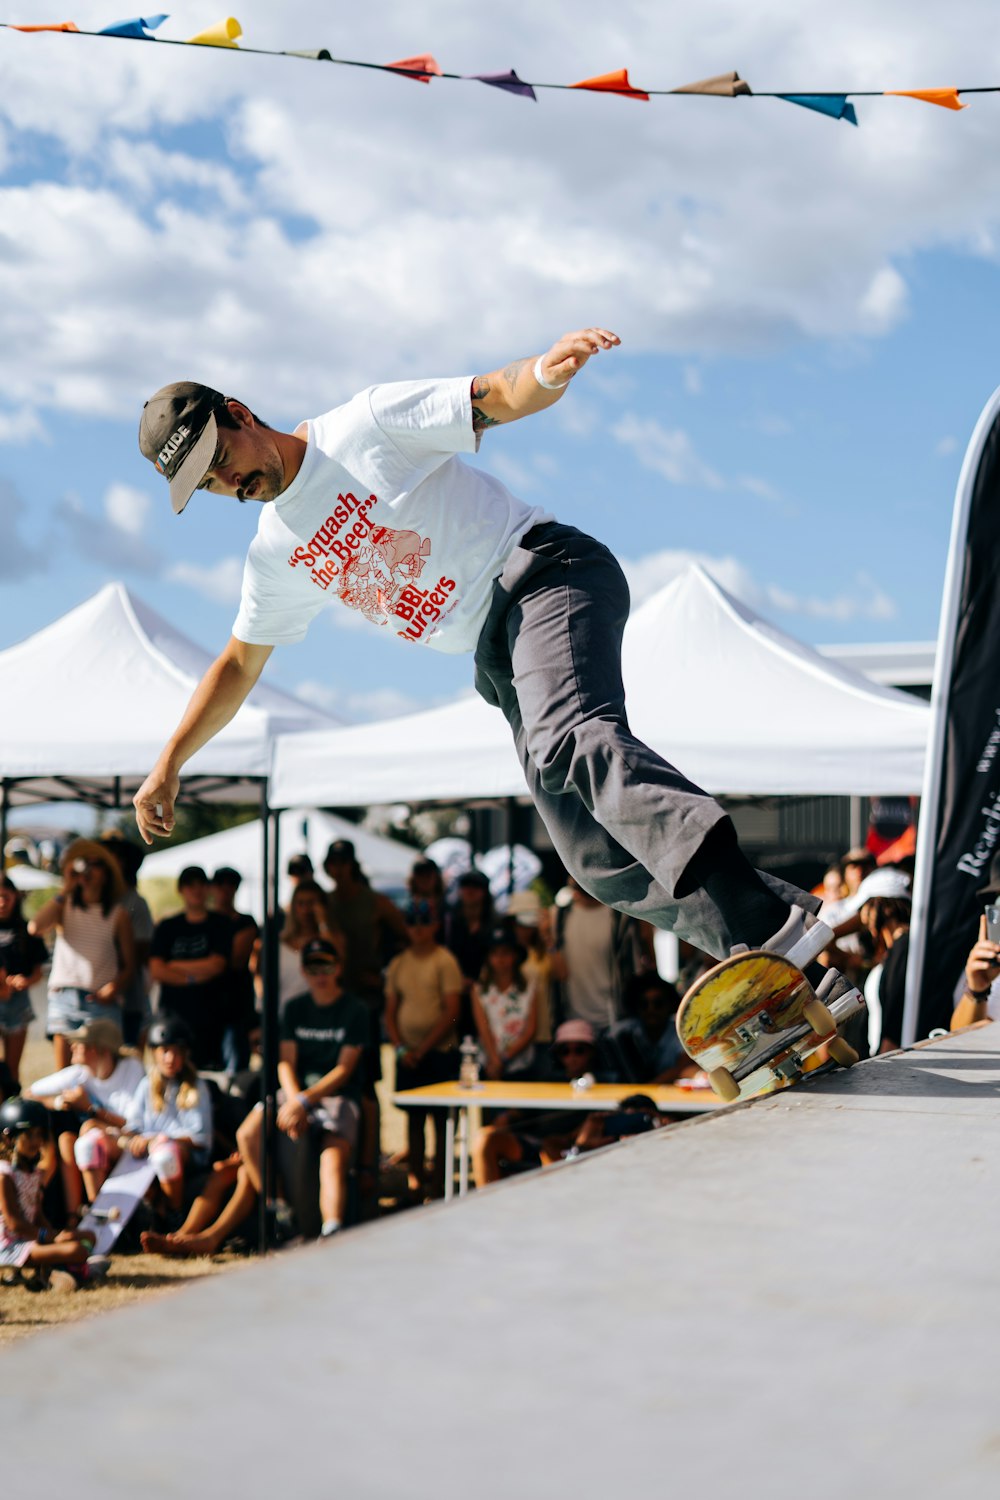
370,507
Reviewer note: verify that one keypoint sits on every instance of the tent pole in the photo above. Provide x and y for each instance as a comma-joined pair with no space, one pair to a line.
269,1016
4,786
510,845
856,838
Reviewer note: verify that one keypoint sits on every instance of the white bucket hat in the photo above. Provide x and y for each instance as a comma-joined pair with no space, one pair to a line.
891,885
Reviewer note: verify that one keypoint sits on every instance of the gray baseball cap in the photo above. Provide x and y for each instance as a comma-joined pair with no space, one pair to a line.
179,435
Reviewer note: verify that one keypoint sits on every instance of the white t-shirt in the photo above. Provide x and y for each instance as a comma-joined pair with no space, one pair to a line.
383,518
114,1092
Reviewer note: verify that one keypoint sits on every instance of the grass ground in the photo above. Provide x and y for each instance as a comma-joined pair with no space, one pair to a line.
133,1278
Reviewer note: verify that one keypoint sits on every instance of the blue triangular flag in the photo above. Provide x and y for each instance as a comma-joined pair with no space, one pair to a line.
139,28
508,81
835,105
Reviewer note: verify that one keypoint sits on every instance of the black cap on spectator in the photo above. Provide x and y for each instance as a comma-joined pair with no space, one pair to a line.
341,850
474,878
319,953
170,1032
300,865
189,875
503,936
226,875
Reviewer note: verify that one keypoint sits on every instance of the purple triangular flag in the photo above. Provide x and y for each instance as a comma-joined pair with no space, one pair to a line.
508,81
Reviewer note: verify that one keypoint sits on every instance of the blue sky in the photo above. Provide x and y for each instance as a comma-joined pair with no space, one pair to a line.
809,312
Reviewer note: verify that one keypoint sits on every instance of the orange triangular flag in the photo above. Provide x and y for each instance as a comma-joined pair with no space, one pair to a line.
63,26
611,83
947,98
421,69
723,85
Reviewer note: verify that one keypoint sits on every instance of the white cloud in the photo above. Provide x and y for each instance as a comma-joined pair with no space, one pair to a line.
884,303
323,253
692,379
946,446
379,703
761,488
646,575
666,451
516,475
21,426
127,508
770,424
115,539
18,558
220,582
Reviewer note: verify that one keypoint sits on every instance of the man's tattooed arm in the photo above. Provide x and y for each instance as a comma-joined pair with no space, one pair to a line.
506,394
480,391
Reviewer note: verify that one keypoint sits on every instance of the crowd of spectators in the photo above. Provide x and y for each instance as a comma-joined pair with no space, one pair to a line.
544,993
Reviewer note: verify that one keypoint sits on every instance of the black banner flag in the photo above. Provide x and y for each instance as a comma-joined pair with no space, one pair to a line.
960,810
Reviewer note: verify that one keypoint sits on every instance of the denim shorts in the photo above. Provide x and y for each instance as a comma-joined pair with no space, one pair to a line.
16,1014
70,1009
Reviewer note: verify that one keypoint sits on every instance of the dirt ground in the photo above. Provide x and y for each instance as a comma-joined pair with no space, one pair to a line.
135,1277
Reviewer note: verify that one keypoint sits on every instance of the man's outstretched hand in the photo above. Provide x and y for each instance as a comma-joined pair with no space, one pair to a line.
571,352
154,804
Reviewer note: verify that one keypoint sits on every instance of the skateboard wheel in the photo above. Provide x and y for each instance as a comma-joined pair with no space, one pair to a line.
842,1052
819,1017
724,1084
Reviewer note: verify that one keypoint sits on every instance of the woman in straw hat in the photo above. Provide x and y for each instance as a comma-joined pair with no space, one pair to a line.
93,957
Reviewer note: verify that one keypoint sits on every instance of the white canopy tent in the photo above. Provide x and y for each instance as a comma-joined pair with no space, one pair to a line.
103,688
741,707
300,831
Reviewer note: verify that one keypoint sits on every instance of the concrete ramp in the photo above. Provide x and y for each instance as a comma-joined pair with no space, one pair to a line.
799,1297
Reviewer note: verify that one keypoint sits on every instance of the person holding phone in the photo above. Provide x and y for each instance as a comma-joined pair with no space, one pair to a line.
979,995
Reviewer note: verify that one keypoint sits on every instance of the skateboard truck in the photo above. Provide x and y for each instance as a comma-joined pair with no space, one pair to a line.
105,1215
755,1017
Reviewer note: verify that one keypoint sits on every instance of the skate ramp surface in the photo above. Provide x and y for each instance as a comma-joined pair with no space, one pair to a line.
796,1297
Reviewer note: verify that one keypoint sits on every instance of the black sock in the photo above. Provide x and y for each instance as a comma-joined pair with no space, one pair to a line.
752,911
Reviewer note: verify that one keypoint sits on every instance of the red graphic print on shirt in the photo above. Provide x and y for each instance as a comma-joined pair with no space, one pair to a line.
373,568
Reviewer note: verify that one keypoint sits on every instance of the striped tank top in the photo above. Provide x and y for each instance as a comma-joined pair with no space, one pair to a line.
84,956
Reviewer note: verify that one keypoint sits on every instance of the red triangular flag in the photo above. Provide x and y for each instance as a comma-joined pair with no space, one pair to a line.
421,69
611,83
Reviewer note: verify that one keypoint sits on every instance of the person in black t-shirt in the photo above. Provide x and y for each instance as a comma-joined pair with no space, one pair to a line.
323,1036
240,1011
190,956
21,959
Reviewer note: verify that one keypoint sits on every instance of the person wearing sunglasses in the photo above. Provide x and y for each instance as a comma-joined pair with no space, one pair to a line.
518,1140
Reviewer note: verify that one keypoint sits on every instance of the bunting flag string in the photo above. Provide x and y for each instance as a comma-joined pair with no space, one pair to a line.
423,67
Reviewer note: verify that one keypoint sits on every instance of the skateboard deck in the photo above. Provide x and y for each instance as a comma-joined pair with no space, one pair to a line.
123,1191
752,1021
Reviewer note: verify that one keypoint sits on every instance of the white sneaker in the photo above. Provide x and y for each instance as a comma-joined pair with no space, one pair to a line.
801,938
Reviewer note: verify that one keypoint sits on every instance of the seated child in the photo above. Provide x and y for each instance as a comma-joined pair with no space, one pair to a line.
89,1101
26,1239
170,1116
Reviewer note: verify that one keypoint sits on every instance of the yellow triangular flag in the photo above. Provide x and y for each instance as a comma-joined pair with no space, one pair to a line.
223,34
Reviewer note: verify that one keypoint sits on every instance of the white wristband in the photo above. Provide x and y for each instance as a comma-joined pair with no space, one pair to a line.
547,385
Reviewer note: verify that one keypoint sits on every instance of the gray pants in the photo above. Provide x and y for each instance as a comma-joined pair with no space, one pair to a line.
623,821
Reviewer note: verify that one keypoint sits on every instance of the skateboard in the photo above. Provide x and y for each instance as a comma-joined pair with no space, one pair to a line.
752,1021
123,1191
